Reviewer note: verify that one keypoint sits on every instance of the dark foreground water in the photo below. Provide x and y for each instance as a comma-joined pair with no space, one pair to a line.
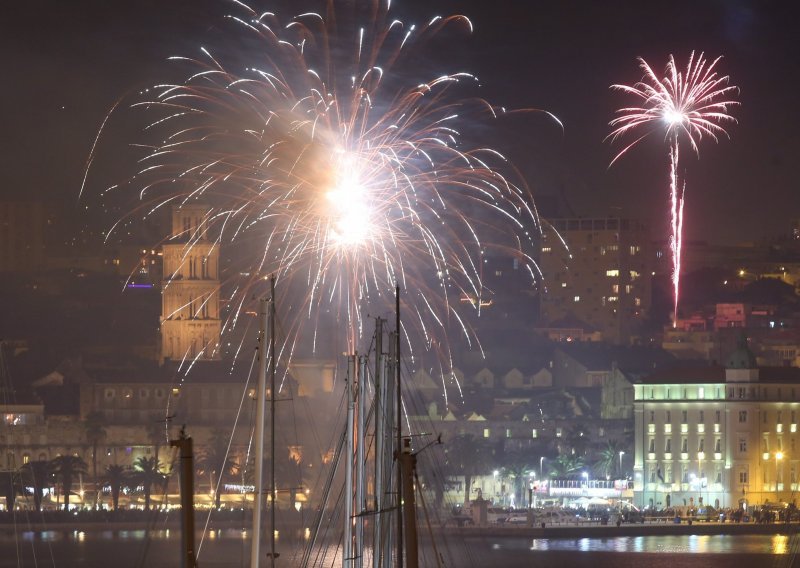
230,548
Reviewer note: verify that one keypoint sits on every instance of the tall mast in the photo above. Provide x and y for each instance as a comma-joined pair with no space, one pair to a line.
261,389
273,555
380,384
347,548
360,473
399,447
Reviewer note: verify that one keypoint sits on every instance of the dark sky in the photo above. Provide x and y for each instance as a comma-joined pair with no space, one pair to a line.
65,62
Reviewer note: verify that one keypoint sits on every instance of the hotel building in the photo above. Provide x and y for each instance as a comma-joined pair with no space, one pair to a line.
724,436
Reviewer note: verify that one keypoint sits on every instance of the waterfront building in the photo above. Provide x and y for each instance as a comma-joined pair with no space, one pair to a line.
716,435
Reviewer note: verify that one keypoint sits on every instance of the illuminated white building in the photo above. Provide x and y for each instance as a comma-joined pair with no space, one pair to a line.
724,436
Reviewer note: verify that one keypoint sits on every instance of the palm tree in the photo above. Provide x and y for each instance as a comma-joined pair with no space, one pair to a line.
39,474
115,477
288,476
9,487
608,458
517,465
67,468
146,472
565,466
215,461
157,434
467,456
95,432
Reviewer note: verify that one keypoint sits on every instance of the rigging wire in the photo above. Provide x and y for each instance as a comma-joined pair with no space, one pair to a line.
222,467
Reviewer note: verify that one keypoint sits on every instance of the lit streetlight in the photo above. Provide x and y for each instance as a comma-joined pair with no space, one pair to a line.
541,462
621,453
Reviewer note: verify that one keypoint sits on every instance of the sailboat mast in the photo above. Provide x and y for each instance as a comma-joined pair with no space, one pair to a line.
360,469
259,432
273,394
399,447
347,548
380,384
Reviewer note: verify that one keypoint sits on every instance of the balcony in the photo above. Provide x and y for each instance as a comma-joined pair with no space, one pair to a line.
651,456
684,456
717,456
668,456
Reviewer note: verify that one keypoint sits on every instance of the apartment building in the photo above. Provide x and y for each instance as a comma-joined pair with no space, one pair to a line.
596,270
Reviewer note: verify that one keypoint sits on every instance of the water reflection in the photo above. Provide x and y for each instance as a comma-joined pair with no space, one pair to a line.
678,544
780,544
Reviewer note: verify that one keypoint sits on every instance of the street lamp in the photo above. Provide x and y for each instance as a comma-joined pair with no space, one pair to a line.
621,453
541,462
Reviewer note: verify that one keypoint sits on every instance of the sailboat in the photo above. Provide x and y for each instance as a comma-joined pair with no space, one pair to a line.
372,491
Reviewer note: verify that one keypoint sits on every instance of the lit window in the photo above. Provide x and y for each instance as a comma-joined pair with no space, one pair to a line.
634,275
486,432
612,273
535,433
615,288
577,298
701,392
508,432
558,432
546,249
628,288
563,284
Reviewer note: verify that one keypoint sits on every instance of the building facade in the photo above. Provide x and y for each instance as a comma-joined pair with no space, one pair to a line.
720,436
190,310
599,274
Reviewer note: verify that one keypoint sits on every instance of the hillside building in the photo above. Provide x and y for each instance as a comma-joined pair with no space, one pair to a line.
598,275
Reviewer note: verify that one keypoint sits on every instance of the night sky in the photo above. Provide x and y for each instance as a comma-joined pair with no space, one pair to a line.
66,62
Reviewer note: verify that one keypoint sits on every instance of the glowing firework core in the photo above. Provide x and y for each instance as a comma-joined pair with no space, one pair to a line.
350,211
674,117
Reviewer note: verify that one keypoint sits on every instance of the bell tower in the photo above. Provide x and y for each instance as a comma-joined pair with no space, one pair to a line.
190,323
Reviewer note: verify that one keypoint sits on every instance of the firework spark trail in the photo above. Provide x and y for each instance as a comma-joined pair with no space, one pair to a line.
323,163
692,104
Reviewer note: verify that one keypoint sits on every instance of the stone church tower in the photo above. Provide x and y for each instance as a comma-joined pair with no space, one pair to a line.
190,323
